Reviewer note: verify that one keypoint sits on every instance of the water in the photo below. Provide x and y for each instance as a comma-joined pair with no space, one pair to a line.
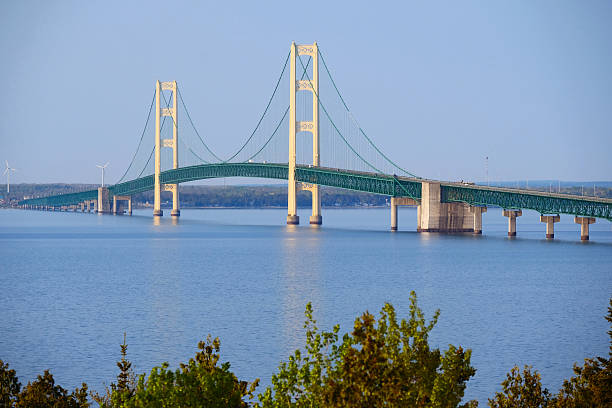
72,283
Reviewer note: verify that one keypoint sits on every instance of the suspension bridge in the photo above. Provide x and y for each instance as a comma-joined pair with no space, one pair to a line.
326,147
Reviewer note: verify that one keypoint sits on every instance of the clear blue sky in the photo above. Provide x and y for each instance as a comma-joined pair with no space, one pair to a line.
438,85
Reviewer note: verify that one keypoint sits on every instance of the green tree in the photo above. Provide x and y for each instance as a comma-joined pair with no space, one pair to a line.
44,393
126,383
199,383
521,391
9,386
385,363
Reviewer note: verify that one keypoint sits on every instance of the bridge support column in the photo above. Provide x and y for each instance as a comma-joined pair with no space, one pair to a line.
316,217
512,214
116,204
393,214
477,211
550,224
175,160
176,212
584,226
157,212
436,216
292,217
103,200
395,203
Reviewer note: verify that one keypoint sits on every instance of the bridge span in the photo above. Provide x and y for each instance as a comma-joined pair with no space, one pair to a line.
442,206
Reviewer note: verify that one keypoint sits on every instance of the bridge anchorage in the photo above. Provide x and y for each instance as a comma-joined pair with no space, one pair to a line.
444,207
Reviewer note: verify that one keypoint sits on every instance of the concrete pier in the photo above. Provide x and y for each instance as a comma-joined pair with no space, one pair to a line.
116,204
396,202
512,214
436,216
584,226
316,219
477,211
550,224
103,200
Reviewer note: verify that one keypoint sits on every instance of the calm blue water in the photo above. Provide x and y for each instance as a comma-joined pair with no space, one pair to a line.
72,283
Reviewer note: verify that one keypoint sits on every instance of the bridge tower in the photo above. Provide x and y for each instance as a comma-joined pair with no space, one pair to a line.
295,127
171,143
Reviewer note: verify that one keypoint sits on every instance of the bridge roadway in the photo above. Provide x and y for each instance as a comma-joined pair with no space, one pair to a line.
393,186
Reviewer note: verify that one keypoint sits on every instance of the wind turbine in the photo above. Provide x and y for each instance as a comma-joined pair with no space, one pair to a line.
7,171
102,167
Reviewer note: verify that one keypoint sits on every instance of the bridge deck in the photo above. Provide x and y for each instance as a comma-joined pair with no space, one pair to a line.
395,186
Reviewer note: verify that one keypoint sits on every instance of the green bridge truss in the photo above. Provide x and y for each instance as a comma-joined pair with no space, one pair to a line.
545,203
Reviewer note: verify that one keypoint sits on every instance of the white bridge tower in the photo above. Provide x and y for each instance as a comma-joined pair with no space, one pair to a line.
171,143
295,127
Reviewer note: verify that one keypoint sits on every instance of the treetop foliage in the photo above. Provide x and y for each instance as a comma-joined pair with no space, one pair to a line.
380,363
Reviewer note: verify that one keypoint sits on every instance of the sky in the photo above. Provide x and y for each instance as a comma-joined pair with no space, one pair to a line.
438,85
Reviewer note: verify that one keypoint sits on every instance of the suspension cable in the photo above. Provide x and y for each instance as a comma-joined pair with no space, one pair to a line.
273,134
264,112
146,164
173,121
150,155
192,152
284,115
357,123
141,138
335,127
193,125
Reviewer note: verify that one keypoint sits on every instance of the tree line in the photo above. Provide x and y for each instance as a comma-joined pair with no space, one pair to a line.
381,363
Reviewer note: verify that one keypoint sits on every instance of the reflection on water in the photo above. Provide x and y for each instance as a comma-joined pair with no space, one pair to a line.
301,284
163,308
157,221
